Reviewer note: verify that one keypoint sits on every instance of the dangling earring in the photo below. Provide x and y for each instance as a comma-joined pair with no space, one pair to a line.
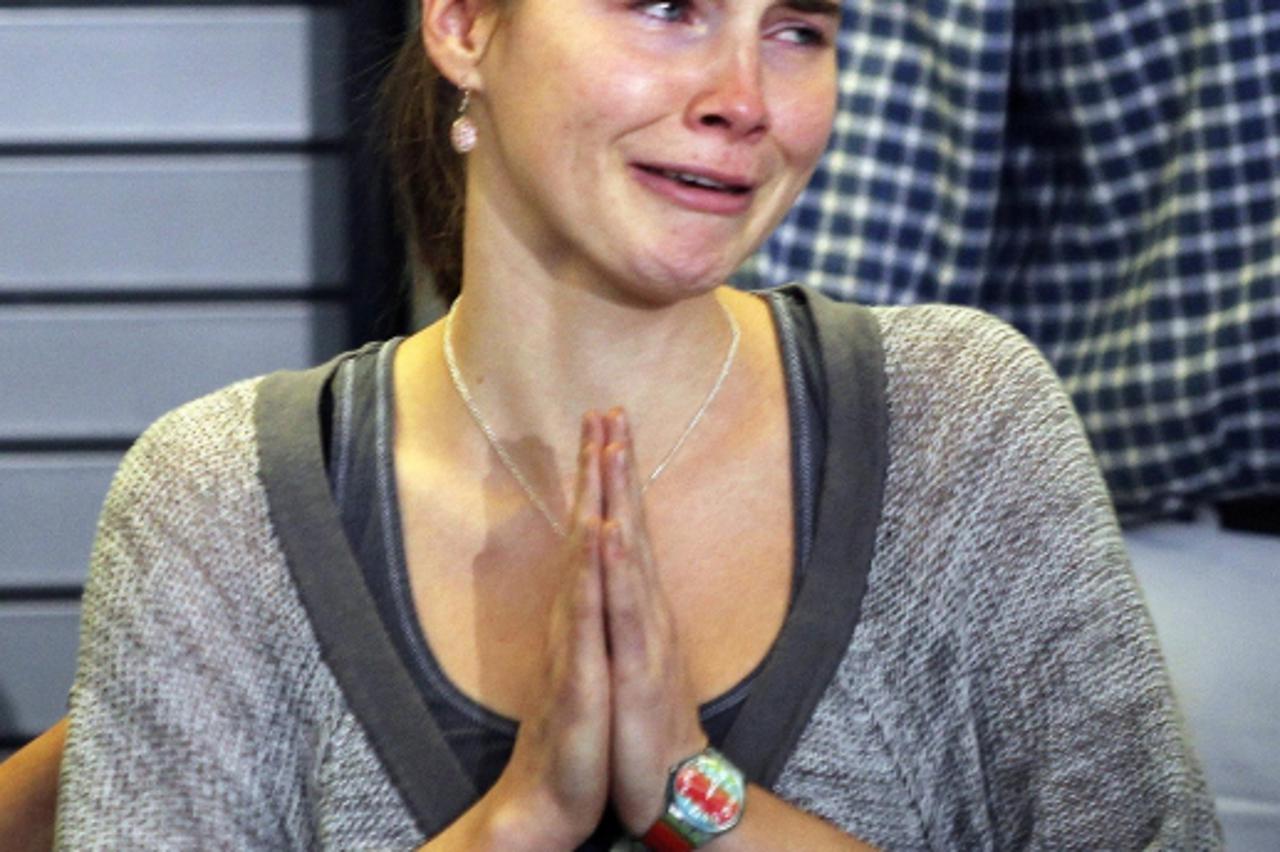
462,133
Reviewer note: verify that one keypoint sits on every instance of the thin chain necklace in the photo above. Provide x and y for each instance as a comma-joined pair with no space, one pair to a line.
509,463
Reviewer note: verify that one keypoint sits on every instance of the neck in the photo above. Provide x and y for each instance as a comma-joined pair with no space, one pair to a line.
534,364
542,335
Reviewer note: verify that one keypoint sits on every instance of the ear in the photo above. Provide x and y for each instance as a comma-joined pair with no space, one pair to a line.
456,34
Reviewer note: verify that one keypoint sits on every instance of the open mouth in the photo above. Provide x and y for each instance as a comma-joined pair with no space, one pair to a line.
697,181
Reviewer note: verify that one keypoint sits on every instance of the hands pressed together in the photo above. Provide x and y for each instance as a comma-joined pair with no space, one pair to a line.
620,708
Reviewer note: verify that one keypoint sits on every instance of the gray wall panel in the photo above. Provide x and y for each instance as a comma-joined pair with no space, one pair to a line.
49,505
170,74
37,664
140,223
70,372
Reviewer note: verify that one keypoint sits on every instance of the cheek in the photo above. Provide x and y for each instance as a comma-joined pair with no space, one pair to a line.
622,95
803,123
597,115
812,130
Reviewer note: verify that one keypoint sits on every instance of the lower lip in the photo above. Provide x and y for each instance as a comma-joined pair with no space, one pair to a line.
692,197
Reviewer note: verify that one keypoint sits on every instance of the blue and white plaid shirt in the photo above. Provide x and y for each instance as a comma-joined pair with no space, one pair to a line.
1104,175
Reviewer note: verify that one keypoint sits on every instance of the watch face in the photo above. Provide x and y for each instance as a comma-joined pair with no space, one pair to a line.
708,793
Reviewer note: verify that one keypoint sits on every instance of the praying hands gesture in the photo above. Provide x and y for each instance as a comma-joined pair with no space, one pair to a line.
619,708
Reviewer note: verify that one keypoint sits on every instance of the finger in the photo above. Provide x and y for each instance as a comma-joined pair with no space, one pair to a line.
624,436
577,640
588,497
634,606
626,605
581,548
623,499
618,469
587,605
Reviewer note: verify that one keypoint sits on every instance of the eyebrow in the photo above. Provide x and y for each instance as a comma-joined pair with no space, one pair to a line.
814,7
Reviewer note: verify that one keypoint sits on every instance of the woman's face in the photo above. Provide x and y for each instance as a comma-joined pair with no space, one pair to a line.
652,142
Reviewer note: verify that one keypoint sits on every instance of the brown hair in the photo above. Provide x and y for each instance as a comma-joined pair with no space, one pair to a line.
418,106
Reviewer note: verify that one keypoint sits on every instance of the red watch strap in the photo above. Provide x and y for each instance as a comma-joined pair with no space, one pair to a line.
663,837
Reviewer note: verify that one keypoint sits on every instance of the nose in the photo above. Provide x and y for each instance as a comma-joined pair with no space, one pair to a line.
731,97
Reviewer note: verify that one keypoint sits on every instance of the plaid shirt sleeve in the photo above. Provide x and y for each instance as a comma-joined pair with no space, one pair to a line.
1103,175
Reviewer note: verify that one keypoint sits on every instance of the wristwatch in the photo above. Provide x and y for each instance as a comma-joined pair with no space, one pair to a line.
706,795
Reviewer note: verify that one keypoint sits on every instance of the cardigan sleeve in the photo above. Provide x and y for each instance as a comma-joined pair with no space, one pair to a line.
1078,734
1004,688
186,711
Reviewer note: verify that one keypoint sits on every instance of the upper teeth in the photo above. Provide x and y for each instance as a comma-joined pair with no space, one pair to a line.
697,179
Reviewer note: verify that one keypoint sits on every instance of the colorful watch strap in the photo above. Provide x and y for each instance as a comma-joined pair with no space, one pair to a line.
662,836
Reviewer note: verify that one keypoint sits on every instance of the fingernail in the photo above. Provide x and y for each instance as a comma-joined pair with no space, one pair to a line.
616,456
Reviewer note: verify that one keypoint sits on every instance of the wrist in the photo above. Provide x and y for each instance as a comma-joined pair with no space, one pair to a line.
525,822
705,799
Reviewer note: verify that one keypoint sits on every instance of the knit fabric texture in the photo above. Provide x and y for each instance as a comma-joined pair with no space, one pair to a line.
1003,688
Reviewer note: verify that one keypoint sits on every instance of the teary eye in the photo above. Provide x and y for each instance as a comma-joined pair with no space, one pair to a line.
672,11
804,36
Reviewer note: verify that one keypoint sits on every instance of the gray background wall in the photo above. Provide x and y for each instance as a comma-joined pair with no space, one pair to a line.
187,198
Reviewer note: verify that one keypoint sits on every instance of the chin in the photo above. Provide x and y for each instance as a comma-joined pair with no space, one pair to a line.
671,278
